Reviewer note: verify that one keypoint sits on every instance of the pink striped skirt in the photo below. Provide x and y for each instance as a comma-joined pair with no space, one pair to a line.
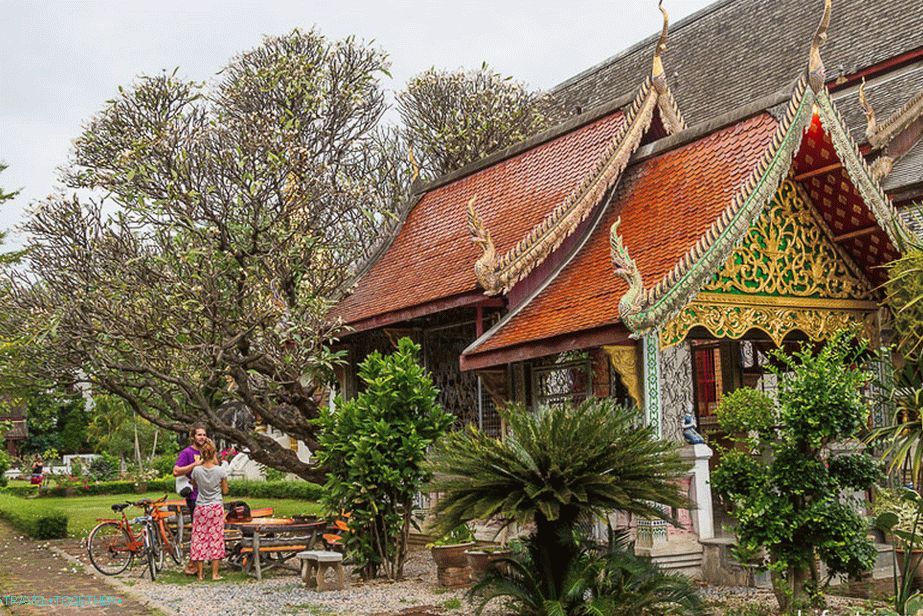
208,533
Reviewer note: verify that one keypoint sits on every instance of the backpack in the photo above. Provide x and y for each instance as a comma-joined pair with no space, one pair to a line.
238,511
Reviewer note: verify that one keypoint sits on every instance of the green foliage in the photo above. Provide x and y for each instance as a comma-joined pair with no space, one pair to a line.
608,580
902,437
5,463
455,118
34,522
274,474
747,409
904,289
56,420
375,446
781,486
555,467
901,514
237,488
459,534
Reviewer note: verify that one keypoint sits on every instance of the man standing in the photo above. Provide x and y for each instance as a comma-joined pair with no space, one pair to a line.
188,459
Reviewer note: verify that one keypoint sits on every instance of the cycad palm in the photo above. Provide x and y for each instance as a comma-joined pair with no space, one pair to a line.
555,467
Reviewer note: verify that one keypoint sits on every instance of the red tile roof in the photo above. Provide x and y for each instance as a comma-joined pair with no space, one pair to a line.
666,204
432,258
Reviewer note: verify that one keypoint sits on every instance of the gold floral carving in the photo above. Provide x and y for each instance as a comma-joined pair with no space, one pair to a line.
733,321
787,252
624,360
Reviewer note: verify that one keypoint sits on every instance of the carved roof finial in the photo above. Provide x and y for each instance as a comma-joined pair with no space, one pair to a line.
816,72
871,124
657,69
413,164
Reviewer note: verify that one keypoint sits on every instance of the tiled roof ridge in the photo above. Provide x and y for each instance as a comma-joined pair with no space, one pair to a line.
644,309
497,274
880,134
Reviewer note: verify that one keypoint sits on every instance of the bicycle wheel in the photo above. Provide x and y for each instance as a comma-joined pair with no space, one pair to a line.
157,542
173,537
149,551
109,548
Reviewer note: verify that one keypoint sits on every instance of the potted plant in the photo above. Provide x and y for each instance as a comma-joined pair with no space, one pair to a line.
480,559
449,554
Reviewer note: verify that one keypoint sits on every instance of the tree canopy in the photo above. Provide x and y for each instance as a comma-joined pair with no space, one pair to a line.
210,229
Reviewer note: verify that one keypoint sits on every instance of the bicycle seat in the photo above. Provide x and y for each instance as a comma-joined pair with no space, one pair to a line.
119,507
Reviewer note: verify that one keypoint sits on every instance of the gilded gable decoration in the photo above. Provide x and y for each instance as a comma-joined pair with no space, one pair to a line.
788,252
785,275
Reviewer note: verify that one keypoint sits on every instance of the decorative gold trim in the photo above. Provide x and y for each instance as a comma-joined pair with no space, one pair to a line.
661,47
788,251
734,321
871,125
820,303
816,72
642,309
624,360
498,273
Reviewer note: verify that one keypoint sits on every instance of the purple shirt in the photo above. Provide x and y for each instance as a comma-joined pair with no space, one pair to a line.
187,457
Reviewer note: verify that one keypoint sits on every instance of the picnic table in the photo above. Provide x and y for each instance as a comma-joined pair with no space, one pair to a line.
267,543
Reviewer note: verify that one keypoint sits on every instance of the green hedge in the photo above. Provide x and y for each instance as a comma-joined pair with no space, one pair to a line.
302,490
36,524
239,488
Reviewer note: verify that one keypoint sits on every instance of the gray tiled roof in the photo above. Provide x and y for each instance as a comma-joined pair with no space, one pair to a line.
738,50
907,171
886,93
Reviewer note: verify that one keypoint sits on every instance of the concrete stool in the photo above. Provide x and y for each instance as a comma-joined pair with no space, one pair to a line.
314,567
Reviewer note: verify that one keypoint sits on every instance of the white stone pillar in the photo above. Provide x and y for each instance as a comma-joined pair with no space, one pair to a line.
701,480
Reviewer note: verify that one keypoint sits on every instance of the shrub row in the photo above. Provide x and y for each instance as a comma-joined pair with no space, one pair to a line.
239,488
36,524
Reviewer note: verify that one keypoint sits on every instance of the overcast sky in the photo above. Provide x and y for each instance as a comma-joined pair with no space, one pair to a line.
60,61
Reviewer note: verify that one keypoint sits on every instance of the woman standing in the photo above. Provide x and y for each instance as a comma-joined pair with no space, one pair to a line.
211,481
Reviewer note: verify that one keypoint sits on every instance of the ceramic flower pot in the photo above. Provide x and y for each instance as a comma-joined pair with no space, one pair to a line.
480,560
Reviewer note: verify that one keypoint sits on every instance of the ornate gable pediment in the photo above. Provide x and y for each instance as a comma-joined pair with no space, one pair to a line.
785,274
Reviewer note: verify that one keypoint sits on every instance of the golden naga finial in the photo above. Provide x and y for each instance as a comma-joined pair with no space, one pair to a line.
816,72
485,266
657,68
871,124
413,164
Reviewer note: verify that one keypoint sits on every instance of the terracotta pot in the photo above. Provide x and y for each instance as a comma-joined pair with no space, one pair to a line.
480,560
70,491
451,556
916,566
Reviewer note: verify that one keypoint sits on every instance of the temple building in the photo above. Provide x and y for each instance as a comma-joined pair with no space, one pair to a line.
693,209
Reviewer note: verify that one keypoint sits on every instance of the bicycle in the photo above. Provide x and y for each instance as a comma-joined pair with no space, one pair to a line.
113,544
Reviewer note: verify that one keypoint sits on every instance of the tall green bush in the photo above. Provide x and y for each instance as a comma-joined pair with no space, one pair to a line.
375,446
784,483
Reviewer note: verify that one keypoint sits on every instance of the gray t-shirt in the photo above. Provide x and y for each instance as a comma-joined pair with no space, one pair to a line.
208,482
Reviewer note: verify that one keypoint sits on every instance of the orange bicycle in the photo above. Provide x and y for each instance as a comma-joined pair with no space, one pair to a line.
114,543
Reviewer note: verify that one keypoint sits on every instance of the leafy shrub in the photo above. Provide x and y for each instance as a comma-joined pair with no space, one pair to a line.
240,488
783,496
608,580
555,468
274,474
375,446
103,468
164,464
5,463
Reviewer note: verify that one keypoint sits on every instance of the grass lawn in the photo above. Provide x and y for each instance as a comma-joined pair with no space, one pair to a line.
82,511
